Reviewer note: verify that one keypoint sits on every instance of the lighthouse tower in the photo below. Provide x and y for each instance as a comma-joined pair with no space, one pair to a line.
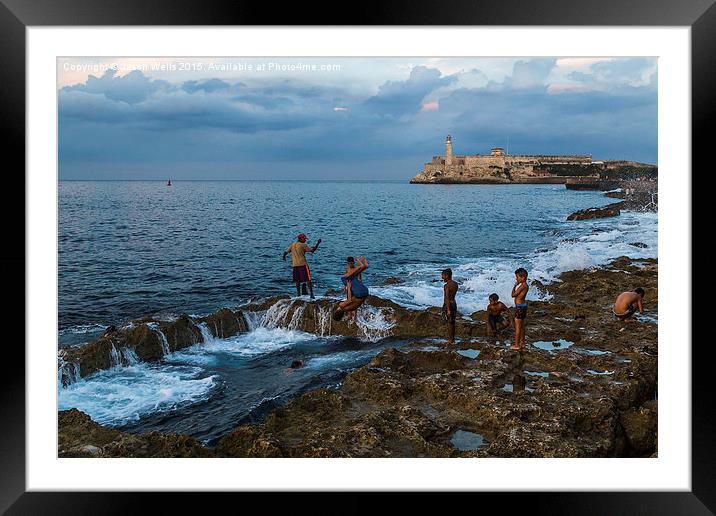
448,150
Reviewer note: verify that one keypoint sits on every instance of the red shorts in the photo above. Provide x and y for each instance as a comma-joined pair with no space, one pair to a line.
301,274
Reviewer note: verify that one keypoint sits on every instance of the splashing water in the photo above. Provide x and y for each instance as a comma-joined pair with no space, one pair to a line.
67,372
162,338
115,359
324,320
253,320
129,356
277,314
372,323
295,321
205,332
122,395
570,249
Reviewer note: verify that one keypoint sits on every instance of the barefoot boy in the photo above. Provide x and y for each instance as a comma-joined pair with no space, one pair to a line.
449,304
498,316
628,303
519,292
356,291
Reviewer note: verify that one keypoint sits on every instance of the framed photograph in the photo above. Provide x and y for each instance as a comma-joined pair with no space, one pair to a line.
422,252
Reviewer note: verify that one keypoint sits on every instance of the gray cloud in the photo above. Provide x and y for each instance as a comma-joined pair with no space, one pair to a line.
396,98
209,86
617,73
530,74
131,88
289,128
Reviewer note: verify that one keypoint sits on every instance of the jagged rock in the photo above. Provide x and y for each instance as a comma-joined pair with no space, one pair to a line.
392,280
225,323
79,436
315,317
640,426
611,210
247,441
586,398
146,340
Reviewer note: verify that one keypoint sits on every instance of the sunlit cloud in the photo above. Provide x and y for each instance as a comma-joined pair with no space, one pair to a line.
567,87
580,62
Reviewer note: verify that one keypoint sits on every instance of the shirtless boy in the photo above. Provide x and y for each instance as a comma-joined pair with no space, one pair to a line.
519,292
356,291
498,316
628,303
449,304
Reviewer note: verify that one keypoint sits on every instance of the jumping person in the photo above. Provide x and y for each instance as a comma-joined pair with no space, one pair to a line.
356,291
301,272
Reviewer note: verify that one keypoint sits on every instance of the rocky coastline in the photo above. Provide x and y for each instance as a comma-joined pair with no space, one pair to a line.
640,196
585,386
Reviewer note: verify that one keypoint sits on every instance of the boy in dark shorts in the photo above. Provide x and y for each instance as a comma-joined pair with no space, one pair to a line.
449,304
356,291
301,272
497,316
519,292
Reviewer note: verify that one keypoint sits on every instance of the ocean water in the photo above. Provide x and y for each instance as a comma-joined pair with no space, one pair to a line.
131,249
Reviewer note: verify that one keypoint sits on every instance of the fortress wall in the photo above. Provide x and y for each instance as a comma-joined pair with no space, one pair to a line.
519,165
551,159
484,161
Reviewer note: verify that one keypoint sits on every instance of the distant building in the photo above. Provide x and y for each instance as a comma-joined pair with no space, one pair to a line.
498,166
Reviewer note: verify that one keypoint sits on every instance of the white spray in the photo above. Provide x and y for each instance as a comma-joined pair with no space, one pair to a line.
162,338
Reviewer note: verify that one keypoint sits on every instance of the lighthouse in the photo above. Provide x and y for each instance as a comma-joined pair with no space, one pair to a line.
448,150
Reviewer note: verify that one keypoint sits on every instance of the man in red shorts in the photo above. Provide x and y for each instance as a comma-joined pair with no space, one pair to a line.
301,272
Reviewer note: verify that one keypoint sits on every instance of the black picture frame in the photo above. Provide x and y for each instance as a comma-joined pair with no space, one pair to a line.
17,15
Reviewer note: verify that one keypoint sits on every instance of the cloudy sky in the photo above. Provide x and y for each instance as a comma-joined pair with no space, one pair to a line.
342,118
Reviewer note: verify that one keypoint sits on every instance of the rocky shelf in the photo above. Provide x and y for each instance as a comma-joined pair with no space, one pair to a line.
584,387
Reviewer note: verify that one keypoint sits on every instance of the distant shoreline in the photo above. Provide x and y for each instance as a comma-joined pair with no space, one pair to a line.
531,181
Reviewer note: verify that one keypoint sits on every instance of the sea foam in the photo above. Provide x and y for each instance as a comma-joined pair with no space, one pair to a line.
571,249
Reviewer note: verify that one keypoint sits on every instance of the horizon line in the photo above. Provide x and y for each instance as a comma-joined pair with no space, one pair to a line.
262,180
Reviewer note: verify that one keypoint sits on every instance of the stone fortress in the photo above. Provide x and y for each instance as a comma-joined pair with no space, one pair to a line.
501,167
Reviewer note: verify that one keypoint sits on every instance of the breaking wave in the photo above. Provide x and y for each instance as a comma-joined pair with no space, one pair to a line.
632,234
123,395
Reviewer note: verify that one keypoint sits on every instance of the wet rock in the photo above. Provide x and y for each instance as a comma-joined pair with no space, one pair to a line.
640,428
408,403
247,441
225,323
640,245
89,450
590,399
79,436
611,210
148,340
392,280
314,316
